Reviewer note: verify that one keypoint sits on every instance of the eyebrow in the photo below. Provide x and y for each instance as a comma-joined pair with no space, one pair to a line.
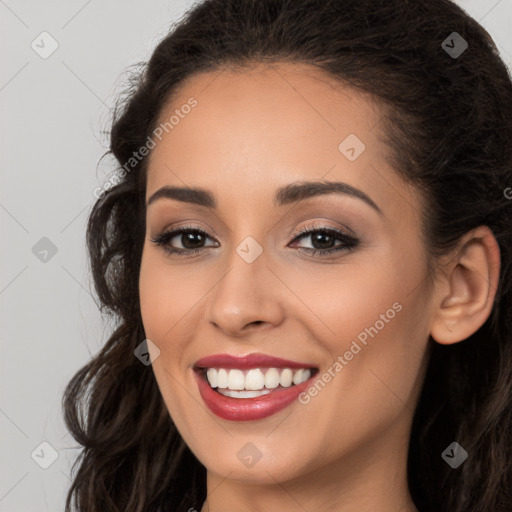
292,193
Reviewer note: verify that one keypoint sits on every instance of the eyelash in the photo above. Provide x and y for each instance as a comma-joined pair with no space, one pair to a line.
163,239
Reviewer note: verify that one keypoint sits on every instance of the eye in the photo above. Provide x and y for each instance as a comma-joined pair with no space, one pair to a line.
192,240
188,236
323,238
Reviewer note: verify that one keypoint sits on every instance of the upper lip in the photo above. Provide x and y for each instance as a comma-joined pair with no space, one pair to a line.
242,362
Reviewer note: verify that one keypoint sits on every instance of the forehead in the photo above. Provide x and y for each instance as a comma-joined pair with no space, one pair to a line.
255,129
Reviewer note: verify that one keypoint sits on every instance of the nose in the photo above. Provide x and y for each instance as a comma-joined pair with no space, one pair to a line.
247,297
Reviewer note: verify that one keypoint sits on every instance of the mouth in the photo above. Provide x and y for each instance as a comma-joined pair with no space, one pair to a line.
243,388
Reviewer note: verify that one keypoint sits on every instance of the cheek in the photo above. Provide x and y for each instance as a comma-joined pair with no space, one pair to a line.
382,336
153,299
373,377
344,300
167,294
373,326
165,300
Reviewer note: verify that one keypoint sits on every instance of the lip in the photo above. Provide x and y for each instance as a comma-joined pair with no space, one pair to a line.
245,362
248,409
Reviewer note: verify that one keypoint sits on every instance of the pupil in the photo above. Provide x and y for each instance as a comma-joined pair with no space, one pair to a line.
189,237
318,238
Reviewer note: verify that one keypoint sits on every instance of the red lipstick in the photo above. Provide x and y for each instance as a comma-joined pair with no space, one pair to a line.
249,361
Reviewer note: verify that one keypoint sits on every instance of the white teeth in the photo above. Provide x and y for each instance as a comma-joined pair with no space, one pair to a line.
297,376
272,378
286,378
236,379
301,375
211,374
254,380
222,379
244,394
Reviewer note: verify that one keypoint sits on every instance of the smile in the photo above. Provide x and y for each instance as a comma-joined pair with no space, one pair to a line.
256,382
243,388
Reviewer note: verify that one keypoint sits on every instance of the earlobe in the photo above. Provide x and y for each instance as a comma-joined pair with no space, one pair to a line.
464,295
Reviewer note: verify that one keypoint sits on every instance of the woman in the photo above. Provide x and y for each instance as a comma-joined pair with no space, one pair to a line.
310,241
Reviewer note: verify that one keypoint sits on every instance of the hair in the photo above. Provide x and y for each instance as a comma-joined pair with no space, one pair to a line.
448,123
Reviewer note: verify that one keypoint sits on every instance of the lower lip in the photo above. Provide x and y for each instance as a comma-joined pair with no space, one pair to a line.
247,409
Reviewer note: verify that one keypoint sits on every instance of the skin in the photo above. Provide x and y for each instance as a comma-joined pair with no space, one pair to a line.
252,131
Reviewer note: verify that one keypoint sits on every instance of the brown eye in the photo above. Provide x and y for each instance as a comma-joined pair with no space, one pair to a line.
191,239
323,240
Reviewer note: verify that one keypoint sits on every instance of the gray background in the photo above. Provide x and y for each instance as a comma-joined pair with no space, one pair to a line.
53,113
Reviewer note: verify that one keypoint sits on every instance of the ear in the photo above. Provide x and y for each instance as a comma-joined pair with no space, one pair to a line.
466,287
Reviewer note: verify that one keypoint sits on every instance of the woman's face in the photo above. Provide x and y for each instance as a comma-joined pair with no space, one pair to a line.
355,319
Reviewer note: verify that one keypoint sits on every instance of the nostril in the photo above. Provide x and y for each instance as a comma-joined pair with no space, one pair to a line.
254,324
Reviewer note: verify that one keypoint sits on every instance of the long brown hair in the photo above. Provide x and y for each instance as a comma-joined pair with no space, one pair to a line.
448,121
